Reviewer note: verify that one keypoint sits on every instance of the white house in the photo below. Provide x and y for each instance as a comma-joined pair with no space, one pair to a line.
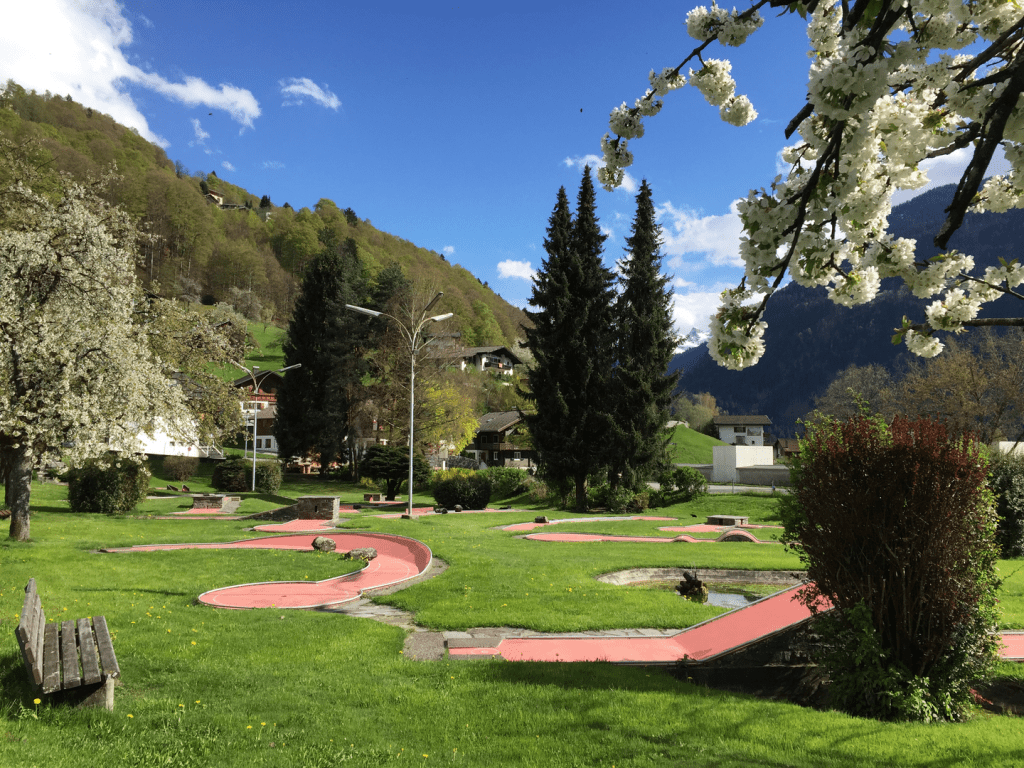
157,441
494,359
741,430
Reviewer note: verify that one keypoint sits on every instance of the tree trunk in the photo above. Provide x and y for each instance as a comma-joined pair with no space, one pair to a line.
581,492
18,490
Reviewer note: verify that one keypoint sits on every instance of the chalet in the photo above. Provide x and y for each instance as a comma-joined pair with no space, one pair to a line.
786,447
501,441
742,430
494,359
263,405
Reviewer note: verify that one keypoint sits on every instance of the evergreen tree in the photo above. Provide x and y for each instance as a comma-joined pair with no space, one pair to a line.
645,343
571,342
314,401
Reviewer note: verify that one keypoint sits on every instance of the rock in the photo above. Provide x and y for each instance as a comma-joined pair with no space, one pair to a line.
458,507
541,519
440,511
323,544
362,553
692,588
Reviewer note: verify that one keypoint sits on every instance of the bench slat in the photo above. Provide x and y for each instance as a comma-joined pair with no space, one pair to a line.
51,658
69,656
87,648
37,631
106,647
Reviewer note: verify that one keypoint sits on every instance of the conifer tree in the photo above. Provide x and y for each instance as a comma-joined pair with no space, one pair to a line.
314,401
645,343
571,342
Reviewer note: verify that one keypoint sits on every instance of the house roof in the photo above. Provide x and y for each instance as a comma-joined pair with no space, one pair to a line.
262,377
498,420
741,421
473,351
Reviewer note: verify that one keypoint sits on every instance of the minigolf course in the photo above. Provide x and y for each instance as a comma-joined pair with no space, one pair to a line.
400,559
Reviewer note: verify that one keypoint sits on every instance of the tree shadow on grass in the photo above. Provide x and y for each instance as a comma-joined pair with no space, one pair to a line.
720,741
14,684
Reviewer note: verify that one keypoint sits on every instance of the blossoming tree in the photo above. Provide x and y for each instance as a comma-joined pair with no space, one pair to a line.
890,86
77,374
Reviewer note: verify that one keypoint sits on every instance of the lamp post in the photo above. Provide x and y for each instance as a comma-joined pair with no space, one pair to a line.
255,389
411,335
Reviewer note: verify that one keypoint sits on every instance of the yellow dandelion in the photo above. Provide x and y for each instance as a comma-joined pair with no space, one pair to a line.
248,727
197,701
37,701
262,723
193,643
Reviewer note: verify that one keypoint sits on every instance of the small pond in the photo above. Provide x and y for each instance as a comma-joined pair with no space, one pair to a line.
722,595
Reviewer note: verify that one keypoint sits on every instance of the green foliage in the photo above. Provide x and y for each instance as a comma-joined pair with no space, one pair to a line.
235,475
315,402
1007,484
179,467
618,500
506,481
645,342
897,530
112,485
471,491
679,485
389,465
571,342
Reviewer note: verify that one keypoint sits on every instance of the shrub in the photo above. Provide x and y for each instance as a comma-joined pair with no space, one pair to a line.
467,491
506,481
389,466
232,475
678,485
179,468
236,475
1007,483
896,527
113,485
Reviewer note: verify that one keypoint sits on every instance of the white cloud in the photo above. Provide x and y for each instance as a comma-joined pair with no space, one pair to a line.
146,22
518,269
201,135
694,310
78,50
296,89
228,165
717,238
449,249
948,169
272,165
607,232
629,184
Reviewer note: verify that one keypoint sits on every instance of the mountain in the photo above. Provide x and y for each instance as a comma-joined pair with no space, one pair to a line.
214,242
810,340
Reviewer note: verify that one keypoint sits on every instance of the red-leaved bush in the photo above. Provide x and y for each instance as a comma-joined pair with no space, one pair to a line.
896,527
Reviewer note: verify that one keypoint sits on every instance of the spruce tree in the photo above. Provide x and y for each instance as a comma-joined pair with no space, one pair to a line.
314,401
571,341
645,343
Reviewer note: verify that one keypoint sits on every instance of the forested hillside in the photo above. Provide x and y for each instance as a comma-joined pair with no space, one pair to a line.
810,340
241,253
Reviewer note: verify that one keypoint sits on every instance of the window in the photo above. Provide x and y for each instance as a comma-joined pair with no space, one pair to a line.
495,454
259,443
739,430
517,456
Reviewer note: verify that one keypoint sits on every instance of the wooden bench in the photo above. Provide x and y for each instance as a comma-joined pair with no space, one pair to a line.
73,659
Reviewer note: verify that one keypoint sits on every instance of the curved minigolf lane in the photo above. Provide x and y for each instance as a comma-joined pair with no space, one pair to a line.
398,559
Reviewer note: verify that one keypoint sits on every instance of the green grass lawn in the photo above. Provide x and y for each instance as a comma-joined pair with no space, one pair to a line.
690,447
269,355
205,687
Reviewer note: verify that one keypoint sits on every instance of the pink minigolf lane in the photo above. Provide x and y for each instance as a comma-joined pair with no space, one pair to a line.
1012,646
398,559
700,642
296,526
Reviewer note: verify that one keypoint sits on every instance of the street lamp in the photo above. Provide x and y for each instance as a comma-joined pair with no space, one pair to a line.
255,389
410,335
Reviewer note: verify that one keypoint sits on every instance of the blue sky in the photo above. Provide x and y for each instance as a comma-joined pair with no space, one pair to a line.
449,125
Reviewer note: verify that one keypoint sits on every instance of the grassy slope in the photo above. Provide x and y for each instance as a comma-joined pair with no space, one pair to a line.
269,356
690,447
253,678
